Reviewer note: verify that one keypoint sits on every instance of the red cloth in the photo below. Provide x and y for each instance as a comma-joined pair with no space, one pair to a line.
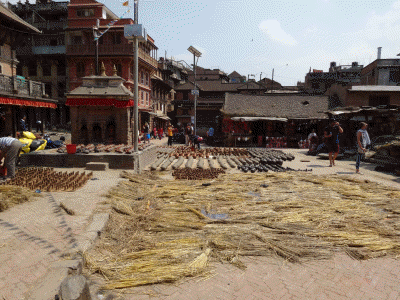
21,102
99,102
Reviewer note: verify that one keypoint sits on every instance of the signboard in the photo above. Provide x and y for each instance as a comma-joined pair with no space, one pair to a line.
195,92
192,119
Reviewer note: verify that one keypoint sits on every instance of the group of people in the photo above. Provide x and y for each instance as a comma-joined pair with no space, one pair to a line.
331,141
157,133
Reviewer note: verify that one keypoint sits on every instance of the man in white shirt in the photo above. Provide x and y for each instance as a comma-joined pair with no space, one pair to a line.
10,148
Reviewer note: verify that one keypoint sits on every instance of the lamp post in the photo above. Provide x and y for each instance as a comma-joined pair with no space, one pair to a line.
134,33
196,53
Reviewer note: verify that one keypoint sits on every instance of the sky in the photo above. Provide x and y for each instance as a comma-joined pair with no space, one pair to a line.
256,36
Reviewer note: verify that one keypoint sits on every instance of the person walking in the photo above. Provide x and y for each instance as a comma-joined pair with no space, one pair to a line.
10,149
160,132
331,135
188,134
22,124
362,142
170,134
146,132
210,136
155,131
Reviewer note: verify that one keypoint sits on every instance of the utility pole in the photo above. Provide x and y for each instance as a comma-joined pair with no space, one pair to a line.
196,53
96,45
136,80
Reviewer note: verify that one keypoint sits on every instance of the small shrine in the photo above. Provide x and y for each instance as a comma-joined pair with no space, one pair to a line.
101,110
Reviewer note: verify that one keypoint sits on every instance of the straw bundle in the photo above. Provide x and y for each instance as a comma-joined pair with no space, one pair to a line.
13,195
164,230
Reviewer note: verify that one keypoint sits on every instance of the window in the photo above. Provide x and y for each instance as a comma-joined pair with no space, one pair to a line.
379,100
142,77
147,79
46,68
142,98
101,40
32,70
53,42
77,40
116,38
61,89
1,69
394,76
147,99
47,89
85,12
119,69
80,69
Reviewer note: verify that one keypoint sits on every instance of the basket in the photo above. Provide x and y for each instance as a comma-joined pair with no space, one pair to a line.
71,148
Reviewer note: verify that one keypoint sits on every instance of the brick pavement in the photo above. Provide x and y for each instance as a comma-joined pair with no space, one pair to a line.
34,236
273,278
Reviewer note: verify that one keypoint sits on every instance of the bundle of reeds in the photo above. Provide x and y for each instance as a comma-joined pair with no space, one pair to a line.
14,195
165,230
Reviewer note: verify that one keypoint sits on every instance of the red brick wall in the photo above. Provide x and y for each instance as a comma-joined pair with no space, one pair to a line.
90,116
366,74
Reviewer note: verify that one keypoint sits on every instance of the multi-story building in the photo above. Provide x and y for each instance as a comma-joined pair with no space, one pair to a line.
43,57
113,50
19,96
170,73
318,82
208,74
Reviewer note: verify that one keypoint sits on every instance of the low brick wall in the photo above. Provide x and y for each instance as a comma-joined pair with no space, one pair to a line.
135,162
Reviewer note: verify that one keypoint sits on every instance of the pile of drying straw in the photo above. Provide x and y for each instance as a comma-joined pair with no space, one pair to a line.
162,231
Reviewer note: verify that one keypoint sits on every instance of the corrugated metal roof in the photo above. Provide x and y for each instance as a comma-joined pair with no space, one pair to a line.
8,14
375,88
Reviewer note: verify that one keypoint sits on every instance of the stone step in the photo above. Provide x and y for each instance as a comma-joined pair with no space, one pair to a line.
97,166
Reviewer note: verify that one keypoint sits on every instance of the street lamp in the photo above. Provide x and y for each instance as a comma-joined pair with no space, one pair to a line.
196,53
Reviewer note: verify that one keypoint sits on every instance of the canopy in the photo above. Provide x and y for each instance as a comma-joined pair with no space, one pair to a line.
252,119
25,102
99,102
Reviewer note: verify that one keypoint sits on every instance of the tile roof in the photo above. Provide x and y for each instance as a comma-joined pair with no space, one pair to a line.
210,86
282,106
8,14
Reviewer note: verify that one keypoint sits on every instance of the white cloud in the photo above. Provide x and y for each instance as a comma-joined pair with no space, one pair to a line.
273,29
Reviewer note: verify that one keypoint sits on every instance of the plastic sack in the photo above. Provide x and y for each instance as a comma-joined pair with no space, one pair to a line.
38,144
42,146
28,135
26,143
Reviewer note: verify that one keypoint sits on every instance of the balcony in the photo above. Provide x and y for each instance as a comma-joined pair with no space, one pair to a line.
51,25
112,50
41,50
21,86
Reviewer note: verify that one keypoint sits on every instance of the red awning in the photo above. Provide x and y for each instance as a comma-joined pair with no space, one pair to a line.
20,102
99,102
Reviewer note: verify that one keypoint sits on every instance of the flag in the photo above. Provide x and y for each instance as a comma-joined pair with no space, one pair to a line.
126,3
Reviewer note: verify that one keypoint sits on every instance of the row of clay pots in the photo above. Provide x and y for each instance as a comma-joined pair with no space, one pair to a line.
197,174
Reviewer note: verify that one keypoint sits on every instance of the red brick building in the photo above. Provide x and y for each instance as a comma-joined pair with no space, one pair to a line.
113,49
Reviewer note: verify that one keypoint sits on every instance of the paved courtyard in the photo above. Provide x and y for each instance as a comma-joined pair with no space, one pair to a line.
36,238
